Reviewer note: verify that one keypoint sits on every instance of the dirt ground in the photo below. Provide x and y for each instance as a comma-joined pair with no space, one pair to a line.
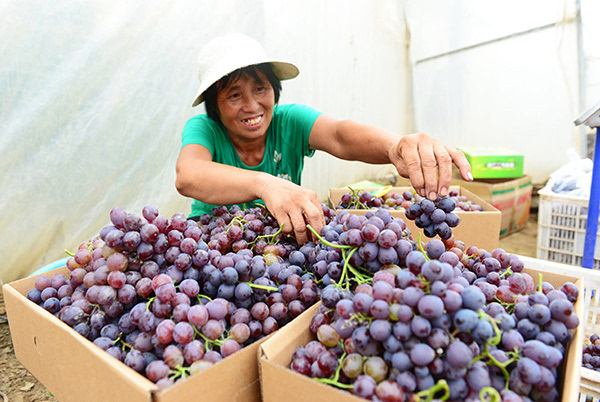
18,385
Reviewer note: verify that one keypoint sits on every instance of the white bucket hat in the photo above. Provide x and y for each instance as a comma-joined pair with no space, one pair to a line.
225,54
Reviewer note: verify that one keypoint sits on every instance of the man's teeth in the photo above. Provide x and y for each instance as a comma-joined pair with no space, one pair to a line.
252,121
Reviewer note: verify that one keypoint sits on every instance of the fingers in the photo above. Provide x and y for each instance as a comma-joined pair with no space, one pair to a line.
299,226
282,219
444,168
430,169
412,161
314,216
461,163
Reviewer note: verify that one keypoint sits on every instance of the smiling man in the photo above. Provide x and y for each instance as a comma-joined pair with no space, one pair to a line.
248,148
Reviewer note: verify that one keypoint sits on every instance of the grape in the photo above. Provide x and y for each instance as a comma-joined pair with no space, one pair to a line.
364,386
422,354
430,306
458,354
157,370
465,320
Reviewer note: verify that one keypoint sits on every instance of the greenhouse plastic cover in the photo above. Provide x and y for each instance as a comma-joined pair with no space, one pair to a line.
95,95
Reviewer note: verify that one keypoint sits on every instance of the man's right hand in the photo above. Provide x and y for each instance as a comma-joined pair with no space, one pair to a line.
293,206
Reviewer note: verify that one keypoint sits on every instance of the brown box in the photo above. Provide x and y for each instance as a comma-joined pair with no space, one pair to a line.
481,229
74,369
511,197
279,383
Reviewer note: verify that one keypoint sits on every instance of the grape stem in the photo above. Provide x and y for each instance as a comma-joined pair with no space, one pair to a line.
540,280
271,237
263,287
429,394
200,296
325,242
150,300
179,372
344,274
421,249
494,341
208,343
123,344
506,273
489,394
360,317
334,380
69,253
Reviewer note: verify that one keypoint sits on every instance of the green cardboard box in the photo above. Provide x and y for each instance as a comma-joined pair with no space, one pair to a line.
494,163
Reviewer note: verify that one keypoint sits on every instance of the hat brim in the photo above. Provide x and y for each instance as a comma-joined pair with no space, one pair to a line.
281,69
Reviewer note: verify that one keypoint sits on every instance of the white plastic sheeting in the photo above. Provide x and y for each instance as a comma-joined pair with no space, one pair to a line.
590,14
498,73
95,94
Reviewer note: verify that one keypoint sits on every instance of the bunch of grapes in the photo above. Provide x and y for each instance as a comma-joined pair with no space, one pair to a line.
463,203
445,323
434,217
591,353
171,297
400,201
351,247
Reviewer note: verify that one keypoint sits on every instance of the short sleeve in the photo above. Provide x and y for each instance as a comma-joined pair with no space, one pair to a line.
298,121
199,130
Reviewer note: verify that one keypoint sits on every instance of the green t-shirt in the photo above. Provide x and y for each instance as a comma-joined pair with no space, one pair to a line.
285,149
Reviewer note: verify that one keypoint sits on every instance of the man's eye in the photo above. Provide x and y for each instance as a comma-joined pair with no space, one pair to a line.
234,96
261,89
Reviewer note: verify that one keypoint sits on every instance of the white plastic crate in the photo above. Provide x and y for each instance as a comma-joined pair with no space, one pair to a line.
561,229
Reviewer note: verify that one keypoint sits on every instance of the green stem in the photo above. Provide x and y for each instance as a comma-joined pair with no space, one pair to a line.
506,273
69,253
325,242
208,343
497,333
540,280
489,394
150,300
421,249
263,287
336,376
271,237
345,268
201,296
429,394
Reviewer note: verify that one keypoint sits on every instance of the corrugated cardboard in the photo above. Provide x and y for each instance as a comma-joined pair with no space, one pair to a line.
279,383
476,228
511,197
74,369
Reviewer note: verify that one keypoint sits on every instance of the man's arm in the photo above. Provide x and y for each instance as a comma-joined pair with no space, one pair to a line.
216,183
426,161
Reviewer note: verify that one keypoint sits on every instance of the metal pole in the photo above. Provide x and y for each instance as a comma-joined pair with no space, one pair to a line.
592,219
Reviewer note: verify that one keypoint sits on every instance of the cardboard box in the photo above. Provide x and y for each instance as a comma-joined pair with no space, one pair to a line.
279,383
475,228
494,163
74,369
511,197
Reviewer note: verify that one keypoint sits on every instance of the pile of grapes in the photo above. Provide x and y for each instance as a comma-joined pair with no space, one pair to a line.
591,353
434,217
445,324
171,297
401,201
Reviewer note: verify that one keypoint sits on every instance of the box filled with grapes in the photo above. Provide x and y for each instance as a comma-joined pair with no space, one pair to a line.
479,221
371,344
75,369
